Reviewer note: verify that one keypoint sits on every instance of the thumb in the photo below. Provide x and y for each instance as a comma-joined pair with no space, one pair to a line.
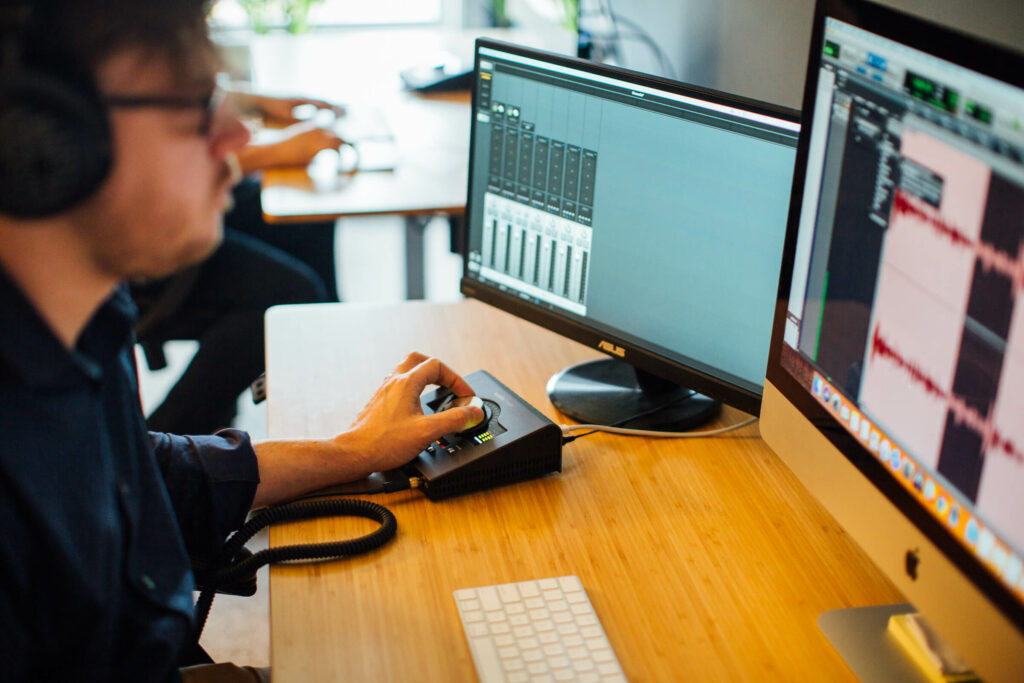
456,419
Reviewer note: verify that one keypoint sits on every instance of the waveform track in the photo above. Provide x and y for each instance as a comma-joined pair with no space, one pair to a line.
991,258
963,414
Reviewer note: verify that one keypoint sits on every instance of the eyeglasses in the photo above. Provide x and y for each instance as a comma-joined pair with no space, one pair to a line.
208,103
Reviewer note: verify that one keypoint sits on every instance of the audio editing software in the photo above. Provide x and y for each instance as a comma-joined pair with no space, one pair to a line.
538,207
912,306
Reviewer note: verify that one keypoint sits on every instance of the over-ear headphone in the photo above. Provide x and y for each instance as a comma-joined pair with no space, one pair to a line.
55,145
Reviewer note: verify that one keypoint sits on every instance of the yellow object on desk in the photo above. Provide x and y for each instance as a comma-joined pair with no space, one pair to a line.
932,656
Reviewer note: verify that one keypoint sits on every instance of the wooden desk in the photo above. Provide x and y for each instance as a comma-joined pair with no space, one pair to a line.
704,559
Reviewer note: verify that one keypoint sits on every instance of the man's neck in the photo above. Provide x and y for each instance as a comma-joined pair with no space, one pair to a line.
54,272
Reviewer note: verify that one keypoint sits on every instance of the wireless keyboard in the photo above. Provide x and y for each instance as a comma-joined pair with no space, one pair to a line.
543,630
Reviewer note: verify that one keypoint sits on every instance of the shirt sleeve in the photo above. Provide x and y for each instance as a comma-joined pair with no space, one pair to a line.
211,481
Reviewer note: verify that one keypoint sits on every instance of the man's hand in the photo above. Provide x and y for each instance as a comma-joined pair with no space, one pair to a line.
392,428
297,147
388,432
281,110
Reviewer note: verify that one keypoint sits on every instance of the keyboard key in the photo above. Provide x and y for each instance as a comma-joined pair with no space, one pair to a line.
583,665
518,677
564,675
547,584
477,629
486,659
465,594
508,593
528,589
519,620
577,653
559,662
514,664
591,632
558,606
570,584
548,638
530,656
508,652
537,668
552,595
534,603
572,641
489,599
504,641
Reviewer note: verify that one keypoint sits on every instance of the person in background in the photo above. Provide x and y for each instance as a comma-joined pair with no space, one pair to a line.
220,303
100,520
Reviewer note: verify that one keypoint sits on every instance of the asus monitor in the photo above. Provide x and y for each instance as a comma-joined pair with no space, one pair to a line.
639,216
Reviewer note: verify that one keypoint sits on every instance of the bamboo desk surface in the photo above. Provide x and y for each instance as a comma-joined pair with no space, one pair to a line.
705,559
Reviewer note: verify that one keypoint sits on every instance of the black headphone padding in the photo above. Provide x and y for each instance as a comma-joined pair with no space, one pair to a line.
55,146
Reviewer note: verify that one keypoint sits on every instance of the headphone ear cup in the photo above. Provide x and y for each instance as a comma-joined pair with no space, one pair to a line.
55,146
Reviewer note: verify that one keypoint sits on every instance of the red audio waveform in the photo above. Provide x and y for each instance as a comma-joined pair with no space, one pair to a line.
905,204
963,414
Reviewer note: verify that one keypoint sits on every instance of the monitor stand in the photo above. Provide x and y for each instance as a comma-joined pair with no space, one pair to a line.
608,391
859,635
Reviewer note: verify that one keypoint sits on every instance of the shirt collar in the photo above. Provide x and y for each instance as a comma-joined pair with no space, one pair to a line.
29,349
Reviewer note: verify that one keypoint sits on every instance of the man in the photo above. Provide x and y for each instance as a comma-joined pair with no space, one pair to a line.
98,518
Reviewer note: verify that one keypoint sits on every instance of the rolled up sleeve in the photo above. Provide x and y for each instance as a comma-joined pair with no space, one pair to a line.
211,481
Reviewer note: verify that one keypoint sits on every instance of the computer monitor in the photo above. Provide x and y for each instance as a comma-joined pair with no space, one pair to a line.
636,215
895,385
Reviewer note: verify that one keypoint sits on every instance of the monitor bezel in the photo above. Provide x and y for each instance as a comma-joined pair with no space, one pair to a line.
645,358
958,48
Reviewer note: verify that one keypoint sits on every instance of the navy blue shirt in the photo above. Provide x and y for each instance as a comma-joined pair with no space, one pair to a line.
99,519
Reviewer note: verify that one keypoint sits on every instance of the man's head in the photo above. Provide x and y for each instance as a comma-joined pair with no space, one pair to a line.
151,66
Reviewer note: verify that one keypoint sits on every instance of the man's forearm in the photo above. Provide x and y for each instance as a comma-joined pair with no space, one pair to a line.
291,468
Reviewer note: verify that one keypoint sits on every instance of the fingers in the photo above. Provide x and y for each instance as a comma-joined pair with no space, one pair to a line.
433,371
411,361
453,420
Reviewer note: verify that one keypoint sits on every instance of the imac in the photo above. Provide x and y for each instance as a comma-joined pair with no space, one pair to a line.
636,215
895,383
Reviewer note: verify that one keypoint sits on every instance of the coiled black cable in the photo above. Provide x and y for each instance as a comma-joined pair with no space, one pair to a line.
237,564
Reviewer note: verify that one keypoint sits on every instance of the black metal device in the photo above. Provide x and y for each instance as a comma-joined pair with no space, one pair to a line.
517,443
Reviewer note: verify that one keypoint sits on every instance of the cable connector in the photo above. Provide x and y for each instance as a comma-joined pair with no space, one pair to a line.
401,485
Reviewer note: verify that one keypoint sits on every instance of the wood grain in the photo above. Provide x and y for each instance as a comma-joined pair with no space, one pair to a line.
704,559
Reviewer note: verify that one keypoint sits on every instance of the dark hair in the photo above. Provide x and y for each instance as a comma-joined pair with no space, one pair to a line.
89,31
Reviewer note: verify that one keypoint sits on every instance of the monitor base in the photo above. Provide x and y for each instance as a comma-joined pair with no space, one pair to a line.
859,635
608,391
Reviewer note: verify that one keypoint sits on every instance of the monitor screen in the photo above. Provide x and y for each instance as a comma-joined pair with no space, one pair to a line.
637,215
899,333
